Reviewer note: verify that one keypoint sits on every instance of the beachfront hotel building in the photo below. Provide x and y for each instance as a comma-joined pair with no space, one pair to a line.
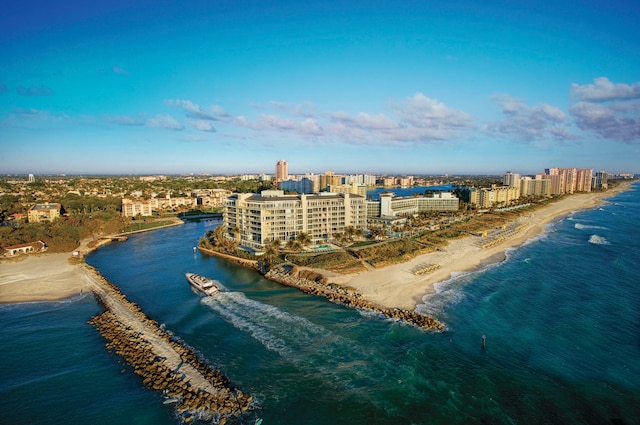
489,197
537,187
254,220
569,180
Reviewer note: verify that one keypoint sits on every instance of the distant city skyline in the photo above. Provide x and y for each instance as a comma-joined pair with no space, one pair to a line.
420,88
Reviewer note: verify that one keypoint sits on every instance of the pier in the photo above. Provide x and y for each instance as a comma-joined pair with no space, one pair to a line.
165,363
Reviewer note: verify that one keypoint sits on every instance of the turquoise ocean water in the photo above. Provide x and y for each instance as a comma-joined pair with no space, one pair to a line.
561,316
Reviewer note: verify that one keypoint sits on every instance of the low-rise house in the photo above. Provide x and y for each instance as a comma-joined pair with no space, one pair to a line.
24,248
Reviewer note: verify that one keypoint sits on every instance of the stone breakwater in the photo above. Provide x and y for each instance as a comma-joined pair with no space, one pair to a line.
291,276
163,361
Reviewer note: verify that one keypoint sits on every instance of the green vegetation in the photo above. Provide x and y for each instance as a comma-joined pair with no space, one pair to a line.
146,225
337,261
393,252
61,235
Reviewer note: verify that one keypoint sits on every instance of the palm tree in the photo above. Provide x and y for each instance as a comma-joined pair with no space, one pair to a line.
293,245
271,252
218,235
303,238
236,234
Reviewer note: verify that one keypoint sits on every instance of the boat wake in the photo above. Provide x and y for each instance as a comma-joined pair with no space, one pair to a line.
276,330
312,347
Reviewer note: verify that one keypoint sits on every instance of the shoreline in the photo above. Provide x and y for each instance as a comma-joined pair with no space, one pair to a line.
396,286
52,276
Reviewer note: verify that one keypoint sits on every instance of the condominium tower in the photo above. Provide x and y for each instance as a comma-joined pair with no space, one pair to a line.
254,220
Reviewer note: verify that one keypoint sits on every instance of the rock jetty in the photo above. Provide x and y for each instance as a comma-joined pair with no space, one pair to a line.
314,283
163,361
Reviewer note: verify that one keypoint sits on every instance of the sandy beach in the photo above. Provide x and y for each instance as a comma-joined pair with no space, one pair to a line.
397,285
47,277
41,277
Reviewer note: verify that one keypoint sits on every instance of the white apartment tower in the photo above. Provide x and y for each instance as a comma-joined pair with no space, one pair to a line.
254,220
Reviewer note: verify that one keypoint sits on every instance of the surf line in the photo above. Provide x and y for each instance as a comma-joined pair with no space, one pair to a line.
164,362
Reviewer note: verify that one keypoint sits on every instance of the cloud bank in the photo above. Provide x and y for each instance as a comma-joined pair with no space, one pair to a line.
610,110
526,123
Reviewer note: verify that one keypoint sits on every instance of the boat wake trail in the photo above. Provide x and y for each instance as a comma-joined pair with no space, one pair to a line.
323,354
278,331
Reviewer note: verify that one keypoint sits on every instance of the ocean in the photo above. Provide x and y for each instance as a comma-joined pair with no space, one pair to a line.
561,317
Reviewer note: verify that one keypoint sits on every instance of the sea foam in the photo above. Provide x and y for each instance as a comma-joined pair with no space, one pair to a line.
598,240
587,226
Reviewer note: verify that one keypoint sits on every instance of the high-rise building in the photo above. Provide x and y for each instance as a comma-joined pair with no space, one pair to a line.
511,179
570,180
256,220
282,171
600,180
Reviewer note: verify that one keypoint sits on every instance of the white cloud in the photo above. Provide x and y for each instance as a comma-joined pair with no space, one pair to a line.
423,112
610,110
608,122
164,121
192,110
273,122
417,119
37,118
202,125
603,90
364,121
527,123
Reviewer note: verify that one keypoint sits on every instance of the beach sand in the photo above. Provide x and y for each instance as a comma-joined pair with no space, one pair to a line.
397,286
41,277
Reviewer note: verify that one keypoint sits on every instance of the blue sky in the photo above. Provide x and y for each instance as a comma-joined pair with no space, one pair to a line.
411,87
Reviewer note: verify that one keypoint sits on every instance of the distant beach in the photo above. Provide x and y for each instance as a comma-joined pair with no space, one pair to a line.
397,285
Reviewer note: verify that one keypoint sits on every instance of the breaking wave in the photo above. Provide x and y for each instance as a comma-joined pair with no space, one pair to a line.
587,226
598,240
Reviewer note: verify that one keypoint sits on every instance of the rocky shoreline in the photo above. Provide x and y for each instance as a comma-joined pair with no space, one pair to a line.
314,283
165,363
